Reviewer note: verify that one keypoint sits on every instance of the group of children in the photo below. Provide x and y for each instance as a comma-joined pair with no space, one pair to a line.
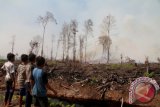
31,79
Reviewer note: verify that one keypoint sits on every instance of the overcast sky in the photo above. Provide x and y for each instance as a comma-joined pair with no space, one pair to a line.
136,33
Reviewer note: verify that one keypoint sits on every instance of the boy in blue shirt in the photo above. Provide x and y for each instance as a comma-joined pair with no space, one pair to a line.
40,81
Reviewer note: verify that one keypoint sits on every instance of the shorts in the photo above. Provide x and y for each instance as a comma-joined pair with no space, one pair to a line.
41,101
22,91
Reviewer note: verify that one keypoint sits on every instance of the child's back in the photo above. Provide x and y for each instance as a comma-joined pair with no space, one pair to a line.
40,81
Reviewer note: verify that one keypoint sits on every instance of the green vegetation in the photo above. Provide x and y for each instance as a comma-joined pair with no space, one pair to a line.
93,80
2,61
51,63
123,66
150,75
60,104
1,97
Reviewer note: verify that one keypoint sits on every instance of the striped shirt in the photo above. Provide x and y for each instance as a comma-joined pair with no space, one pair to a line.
22,70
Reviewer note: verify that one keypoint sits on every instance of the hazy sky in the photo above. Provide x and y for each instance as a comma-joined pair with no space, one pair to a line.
136,33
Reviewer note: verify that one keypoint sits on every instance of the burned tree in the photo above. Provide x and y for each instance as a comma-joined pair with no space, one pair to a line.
58,43
73,27
13,43
66,40
81,46
52,47
88,24
35,44
68,31
44,20
106,42
158,59
107,28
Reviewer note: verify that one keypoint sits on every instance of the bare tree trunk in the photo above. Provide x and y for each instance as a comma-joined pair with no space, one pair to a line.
64,46
52,50
86,50
57,49
103,50
81,48
13,43
44,28
68,47
74,47
108,55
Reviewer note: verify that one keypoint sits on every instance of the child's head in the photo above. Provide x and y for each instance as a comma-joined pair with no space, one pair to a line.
24,58
32,58
11,57
40,61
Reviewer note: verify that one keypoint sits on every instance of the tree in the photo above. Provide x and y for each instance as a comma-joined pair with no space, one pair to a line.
13,43
107,27
35,44
73,27
158,59
52,47
88,24
43,20
58,42
64,39
106,42
81,46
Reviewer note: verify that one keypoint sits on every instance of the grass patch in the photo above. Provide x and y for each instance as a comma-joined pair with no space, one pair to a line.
121,66
56,103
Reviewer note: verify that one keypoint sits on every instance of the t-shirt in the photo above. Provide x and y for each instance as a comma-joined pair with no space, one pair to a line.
40,80
10,69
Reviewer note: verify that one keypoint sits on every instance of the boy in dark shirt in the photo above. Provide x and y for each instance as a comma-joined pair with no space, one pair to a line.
40,80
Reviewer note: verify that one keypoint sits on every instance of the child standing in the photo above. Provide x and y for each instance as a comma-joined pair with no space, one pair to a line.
31,66
9,68
40,80
22,69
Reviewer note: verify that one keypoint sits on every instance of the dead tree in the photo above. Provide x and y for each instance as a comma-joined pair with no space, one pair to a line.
64,37
88,24
107,27
121,58
73,26
68,31
43,20
13,43
66,40
52,47
106,42
147,64
81,46
35,44
58,43
158,59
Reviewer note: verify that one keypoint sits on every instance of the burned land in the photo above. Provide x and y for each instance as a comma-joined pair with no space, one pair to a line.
96,85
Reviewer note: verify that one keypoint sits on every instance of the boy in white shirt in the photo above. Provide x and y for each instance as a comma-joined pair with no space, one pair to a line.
9,68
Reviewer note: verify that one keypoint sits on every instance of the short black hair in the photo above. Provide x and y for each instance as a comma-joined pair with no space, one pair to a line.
24,58
10,56
40,61
32,57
